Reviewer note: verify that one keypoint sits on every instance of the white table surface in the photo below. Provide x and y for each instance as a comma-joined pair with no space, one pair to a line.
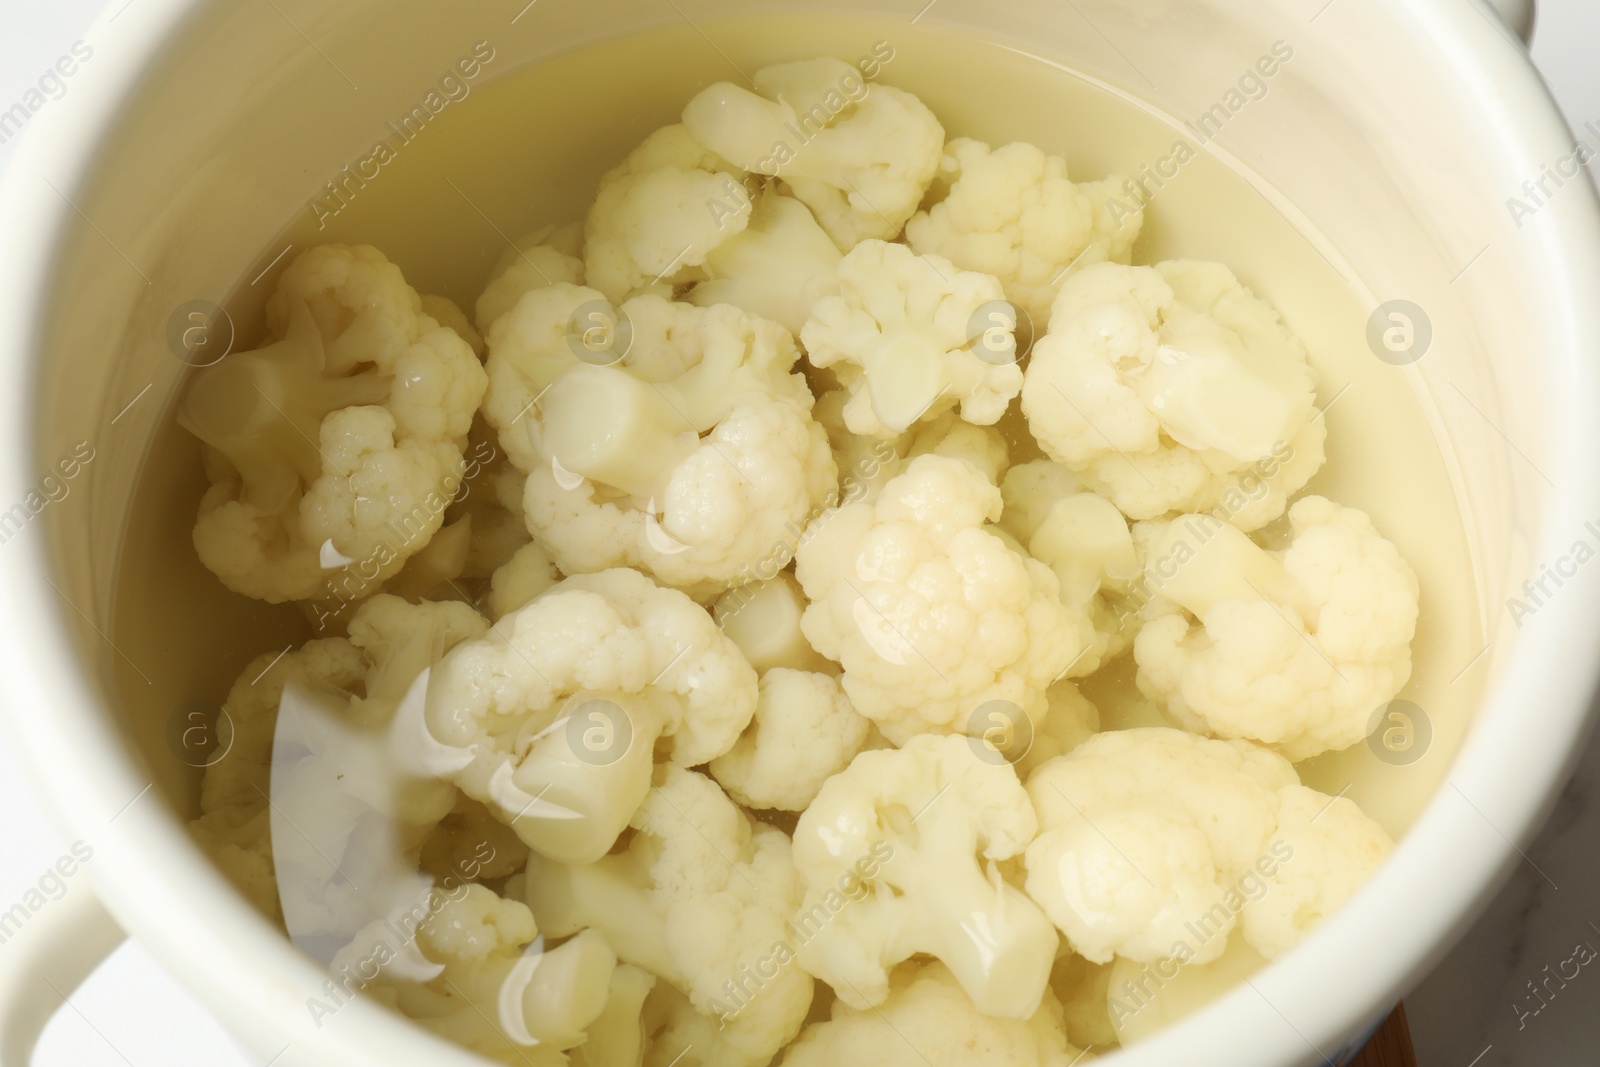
1467,1014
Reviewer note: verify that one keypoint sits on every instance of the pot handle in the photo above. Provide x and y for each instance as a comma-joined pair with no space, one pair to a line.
1517,14
44,960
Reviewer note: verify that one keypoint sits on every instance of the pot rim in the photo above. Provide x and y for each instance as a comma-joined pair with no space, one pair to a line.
162,888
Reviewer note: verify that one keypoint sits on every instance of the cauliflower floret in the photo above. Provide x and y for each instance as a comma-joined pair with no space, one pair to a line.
1012,212
544,257
681,1036
780,266
315,743
1030,491
1079,535
861,165
352,804
494,988
705,360
738,497
1336,848
928,1021
698,512
660,213
930,613
763,619
866,463
1070,719
1153,842
1174,388
368,316
586,526
553,717
617,1037
337,447
1293,649
448,313
905,857
521,579
235,821
369,469
699,898
983,447
900,336
804,732
529,347
1084,539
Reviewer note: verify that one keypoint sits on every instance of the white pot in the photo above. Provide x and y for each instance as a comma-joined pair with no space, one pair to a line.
157,175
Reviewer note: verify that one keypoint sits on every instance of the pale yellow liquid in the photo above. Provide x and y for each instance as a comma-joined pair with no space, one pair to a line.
527,149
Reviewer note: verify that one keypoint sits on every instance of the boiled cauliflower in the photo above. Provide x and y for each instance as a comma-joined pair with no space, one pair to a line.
659,214
617,1036
1012,212
861,166
553,718
1070,719
542,258
1153,842
448,313
888,823
520,580
778,268
1336,849
336,448
317,747
1174,388
495,988
804,732
235,821
683,1036
351,815
733,499
530,346
553,328
763,619
801,646
867,463
699,898
1293,649
1079,535
928,1021
900,334
984,448
931,614
631,481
